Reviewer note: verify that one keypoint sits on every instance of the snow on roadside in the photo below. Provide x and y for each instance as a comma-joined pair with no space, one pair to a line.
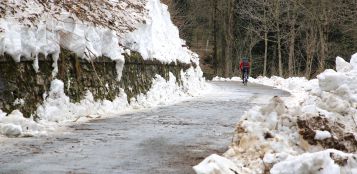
291,84
57,110
168,92
312,131
328,161
233,79
215,163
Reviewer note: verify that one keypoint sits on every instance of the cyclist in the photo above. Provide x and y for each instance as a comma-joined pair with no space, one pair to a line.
244,67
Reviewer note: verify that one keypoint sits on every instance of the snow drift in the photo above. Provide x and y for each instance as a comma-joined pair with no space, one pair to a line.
312,131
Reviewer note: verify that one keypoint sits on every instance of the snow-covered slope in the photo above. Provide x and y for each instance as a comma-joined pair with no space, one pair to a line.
159,38
91,29
312,131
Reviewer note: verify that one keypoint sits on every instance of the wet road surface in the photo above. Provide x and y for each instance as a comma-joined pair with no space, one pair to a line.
168,139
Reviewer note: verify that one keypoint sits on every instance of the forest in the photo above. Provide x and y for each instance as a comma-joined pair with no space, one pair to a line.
281,37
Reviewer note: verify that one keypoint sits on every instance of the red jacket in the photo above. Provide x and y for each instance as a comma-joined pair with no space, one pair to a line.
244,65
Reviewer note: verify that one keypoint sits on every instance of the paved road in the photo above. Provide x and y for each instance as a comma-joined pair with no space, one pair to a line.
168,139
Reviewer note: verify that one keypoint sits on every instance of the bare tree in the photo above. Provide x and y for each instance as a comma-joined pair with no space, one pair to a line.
304,35
292,17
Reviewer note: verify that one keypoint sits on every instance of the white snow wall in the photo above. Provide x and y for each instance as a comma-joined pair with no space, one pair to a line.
91,30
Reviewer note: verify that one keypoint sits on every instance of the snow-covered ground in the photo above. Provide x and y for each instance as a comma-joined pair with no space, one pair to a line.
312,131
92,29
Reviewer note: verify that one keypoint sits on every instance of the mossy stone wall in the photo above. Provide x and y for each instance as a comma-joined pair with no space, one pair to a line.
20,81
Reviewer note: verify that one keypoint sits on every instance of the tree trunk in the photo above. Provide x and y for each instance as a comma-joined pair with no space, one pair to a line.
277,18
265,53
265,40
215,51
279,55
229,38
291,53
322,40
250,60
310,50
273,62
322,50
292,41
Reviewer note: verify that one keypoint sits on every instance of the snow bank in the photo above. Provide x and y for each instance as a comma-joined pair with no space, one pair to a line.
44,28
193,82
58,110
91,30
217,79
331,80
159,38
14,125
324,162
165,92
10,130
342,65
292,84
353,61
215,164
312,131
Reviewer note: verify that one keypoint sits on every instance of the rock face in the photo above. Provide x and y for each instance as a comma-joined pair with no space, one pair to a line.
20,82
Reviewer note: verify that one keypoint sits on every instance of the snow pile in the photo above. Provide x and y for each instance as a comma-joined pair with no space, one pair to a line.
324,162
11,130
292,84
193,82
165,92
312,131
234,79
159,38
58,108
14,124
215,164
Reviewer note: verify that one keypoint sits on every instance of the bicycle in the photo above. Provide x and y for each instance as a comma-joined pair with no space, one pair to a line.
245,78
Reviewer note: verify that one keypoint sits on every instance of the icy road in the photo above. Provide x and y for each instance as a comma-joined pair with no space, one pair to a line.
168,139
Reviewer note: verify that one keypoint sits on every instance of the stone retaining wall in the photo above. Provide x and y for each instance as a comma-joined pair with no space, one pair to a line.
20,81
